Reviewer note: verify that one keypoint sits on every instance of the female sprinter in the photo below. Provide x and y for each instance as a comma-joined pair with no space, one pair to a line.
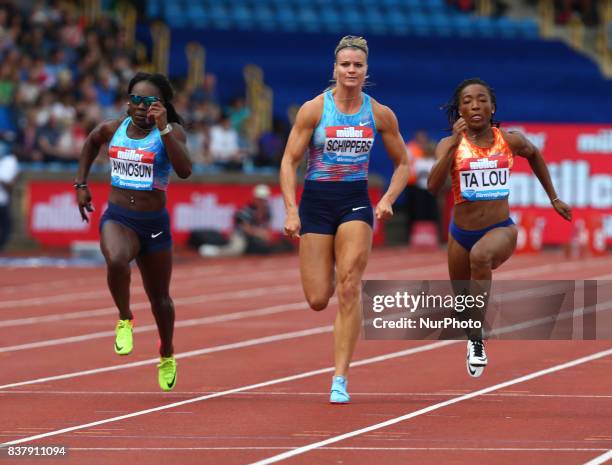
335,217
142,148
479,157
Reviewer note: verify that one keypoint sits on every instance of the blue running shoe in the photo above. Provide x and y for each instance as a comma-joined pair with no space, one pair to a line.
339,394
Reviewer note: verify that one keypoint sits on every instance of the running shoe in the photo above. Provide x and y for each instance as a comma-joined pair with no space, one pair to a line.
339,394
124,343
167,373
476,357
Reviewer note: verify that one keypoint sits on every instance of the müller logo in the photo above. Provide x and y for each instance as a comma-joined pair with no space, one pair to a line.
483,164
595,143
129,154
349,132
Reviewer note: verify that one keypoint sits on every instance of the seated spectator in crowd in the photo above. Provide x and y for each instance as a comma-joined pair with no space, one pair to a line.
224,146
272,145
252,232
585,9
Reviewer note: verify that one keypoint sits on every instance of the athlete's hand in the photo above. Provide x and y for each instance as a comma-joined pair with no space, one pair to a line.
157,113
459,128
83,197
384,209
563,209
292,224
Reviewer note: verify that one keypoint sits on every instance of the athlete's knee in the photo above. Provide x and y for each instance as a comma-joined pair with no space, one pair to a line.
318,302
348,288
162,303
117,263
481,259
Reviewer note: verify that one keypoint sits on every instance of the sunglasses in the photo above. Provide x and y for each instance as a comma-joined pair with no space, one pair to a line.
148,101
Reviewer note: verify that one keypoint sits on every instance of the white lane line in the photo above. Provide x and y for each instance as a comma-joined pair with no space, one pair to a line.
228,392
189,277
180,271
99,293
148,328
603,458
296,394
431,408
256,291
382,449
192,353
201,298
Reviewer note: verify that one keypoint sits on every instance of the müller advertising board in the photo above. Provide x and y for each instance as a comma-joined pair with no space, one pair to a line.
54,219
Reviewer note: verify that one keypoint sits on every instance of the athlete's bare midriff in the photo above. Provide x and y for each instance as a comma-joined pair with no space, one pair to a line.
478,215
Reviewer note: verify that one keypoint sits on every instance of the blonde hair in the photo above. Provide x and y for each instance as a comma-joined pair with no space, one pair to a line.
352,42
349,42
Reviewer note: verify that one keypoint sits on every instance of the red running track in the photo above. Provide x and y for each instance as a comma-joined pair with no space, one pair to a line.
255,368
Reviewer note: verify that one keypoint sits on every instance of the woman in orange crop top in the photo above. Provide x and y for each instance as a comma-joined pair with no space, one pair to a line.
479,157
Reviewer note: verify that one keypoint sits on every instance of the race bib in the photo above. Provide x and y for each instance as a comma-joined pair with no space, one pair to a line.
347,145
484,179
131,168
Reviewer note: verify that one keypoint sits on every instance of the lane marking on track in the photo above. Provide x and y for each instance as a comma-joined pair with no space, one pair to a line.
603,458
298,394
192,353
382,449
434,407
307,374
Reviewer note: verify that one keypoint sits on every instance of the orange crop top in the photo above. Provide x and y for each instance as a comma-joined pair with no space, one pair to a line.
481,173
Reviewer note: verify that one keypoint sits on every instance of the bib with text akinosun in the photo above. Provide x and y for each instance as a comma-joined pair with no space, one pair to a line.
484,178
347,145
131,168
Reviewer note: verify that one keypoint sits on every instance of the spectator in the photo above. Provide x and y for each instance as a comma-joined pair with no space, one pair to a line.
224,146
272,145
252,233
585,9
421,206
8,173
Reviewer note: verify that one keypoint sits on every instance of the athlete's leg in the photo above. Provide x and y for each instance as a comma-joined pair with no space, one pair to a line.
352,249
317,268
156,270
493,249
458,260
119,245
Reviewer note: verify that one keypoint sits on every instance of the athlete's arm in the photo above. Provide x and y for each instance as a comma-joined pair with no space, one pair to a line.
100,135
522,147
387,126
174,141
445,152
305,122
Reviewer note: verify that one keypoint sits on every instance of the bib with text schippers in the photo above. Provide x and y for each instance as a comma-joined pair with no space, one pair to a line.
347,144
482,173
138,164
341,143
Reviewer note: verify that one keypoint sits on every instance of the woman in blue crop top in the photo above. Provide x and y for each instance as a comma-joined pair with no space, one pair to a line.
142,148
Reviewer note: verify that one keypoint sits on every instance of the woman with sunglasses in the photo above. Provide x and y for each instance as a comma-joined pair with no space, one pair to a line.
142,148
335,217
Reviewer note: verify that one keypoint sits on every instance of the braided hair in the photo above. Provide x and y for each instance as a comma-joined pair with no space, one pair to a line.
451,107
165,88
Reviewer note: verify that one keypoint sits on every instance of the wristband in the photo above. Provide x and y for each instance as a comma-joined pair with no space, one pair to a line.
554,200
80,185
166,130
